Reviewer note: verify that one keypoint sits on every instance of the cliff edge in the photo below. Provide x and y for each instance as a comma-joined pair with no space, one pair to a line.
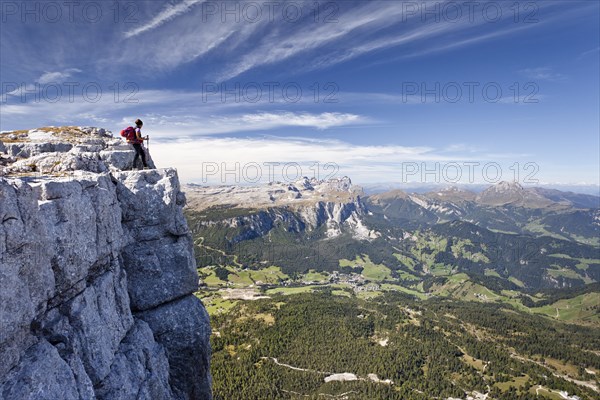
97,274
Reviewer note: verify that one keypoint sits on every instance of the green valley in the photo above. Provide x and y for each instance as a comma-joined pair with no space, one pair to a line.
384,298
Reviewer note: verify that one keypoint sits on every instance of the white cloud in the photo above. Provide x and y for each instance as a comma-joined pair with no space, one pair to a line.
181,113
542,73
168,13
372,27
587,53
165,126
195,158
191,156
462,148
420,33
455,44
14,109
57,76
281,45
319,121
362,28
162,52
94,118
179,33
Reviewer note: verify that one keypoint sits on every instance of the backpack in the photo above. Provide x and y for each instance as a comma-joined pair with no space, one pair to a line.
129,133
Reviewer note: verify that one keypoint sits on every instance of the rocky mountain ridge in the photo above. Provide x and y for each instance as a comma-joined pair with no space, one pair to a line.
498,195
506,207
97,274
274,194
339,207
306,204
504,235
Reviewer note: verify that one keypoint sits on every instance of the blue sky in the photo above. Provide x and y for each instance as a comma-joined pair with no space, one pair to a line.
402,85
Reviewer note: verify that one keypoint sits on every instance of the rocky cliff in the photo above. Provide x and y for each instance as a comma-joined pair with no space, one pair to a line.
97,274
304,205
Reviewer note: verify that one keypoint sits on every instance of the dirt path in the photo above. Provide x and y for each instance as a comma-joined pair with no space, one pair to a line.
333,376
565,377
201,244
276,361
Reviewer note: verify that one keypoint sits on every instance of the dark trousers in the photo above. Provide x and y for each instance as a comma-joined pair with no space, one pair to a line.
139,152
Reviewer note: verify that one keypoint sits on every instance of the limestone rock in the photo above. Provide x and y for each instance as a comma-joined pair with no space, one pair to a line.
138,354
307,204
92,324
57,150
42,375
97,273
160,271
183,329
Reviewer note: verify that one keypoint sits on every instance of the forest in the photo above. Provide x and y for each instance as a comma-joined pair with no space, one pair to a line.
395,347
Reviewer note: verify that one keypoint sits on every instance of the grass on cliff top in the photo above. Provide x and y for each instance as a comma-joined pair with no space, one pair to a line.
66,133
4,136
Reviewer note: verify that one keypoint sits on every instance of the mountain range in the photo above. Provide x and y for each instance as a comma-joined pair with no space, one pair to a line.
507,236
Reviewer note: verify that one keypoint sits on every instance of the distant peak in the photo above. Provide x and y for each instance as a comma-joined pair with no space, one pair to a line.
504,193
451,189
302,192
305,184
454,189
506,186
342,184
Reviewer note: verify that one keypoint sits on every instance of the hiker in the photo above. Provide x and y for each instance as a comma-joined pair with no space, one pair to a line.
137,141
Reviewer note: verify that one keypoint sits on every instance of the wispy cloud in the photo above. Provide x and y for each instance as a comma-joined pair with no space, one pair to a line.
186,112
236,46
542,74
280,45
373,27
589,52
462,148
475,39
361,28
157,50
168,13
163,125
